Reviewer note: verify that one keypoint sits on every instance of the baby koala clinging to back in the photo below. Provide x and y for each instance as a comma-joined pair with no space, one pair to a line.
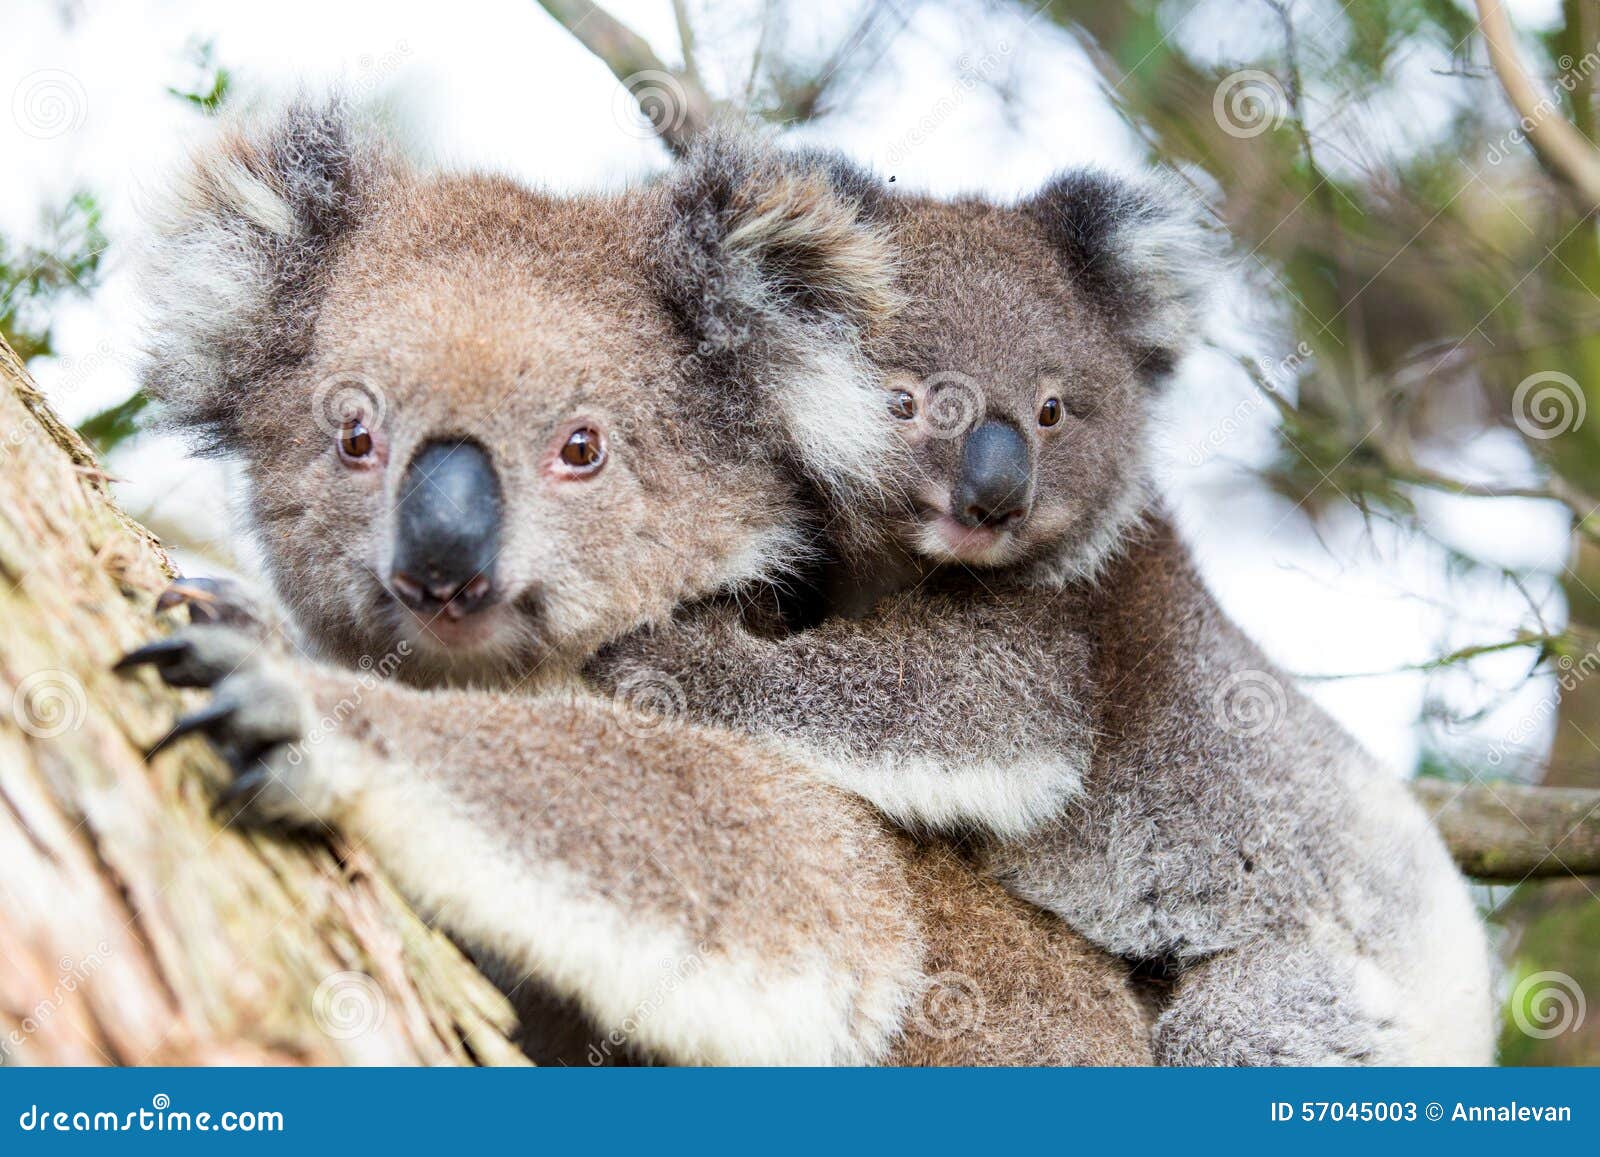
1046,672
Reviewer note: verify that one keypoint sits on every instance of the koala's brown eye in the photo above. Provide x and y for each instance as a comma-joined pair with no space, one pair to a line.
903,405
1050,412
583,450
355,441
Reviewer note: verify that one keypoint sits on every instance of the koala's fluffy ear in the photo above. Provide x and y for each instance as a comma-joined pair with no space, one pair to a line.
776,264
237,247
1142,253
763,239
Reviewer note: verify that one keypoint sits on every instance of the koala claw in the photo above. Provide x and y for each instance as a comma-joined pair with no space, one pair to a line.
219,602
199,657
211,720
256,721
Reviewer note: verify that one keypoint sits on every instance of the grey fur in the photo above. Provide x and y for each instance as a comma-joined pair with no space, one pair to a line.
1306,907
240,242
579,840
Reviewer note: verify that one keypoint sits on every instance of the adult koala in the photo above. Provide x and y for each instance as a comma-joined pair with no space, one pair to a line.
534,446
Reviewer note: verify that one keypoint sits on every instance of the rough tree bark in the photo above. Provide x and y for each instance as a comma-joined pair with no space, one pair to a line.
1508,832
133,928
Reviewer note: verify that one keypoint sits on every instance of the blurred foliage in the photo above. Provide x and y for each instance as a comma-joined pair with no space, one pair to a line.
1430,268
115,424
34,278
1362,156
212,85
207,93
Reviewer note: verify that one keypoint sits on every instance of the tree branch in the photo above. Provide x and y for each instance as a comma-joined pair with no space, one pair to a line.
1399,466
680,15
1568,153
1511,832
672,99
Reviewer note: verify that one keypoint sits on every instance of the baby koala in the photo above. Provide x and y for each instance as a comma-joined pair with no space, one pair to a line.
1034,662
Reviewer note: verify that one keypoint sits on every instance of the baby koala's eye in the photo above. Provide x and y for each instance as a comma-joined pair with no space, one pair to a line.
355,441
584,451
1050,412
903,405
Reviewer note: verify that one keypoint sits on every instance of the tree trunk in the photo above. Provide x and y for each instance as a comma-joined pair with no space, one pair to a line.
134,929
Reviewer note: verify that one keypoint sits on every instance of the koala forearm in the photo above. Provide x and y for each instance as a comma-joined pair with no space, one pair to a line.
922,708
687,885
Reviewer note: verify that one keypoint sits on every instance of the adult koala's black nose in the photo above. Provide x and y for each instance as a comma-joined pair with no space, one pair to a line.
447,530
995,486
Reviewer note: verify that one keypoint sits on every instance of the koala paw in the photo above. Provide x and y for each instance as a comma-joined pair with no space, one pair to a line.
256,719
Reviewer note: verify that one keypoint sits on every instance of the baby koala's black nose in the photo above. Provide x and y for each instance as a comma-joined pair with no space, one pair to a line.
447,530
995,486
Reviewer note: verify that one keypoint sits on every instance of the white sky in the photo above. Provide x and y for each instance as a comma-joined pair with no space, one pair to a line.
495,83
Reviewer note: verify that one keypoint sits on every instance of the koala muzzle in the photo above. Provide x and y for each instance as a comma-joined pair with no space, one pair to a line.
447,530
995,486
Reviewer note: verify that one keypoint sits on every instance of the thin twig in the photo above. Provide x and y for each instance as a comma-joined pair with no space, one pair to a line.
674,100
1557,141
680,16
